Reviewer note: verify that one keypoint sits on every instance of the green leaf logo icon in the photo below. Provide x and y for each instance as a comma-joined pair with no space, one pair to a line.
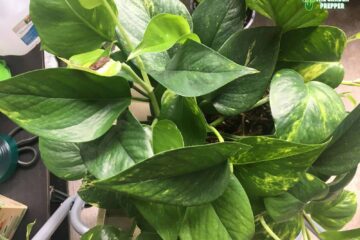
309,4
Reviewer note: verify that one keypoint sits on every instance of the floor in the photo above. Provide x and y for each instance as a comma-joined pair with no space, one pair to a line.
349,21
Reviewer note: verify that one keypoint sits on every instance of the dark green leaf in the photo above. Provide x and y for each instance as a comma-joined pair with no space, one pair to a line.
166,219
304,112
273,166
314,53
309,188
186,114
64,104
197,70
105,232
66,28
148,236
290,14
187,176
163,32
343,235
120,148
288,230
334,213
166,136
215,21
343,153
228,217
135,25
259,49
283,207
62,159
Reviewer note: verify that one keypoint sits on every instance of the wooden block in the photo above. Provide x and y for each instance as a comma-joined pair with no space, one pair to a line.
11,214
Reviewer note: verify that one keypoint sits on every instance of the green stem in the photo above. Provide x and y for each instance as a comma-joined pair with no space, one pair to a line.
217,121
348,83
140,63
139,99
140,91
268,229
304,232
216,132
260,102
311,223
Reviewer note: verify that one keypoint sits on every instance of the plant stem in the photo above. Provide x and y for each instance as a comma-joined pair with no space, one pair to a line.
123,34
217,121
260,102
268,229
216,132
304,232
348,83
139,99
311,223
140,91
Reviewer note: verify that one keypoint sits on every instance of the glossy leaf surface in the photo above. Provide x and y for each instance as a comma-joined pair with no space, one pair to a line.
187,116
341,235
135,25
166,136
197,70
304,112
343,153
121,147
187,176
105,232
215,21
315,53
290,14
269,173
64,104
163,32
257,48
67,28
334,213
230,215
62,159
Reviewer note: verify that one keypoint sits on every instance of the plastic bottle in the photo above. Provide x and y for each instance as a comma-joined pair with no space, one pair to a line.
18,35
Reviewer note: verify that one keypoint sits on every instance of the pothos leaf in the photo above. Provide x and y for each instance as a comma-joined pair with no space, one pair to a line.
291,15
66,28
166,136
105,232
341,235
135,25
163,32
215,21
4,71
228,217
64,104
343,153
197,70
273,166
90,4
333,214
187,176
124,145
62,159
304,112
315,53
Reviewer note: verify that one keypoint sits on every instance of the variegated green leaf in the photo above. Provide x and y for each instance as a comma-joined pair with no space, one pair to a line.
315,53
290,14
135,25
304,112
270,173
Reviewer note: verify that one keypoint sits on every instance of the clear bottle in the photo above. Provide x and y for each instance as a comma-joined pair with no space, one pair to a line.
18,35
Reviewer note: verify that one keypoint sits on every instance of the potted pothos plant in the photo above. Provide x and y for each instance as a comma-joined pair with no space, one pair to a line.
247,137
